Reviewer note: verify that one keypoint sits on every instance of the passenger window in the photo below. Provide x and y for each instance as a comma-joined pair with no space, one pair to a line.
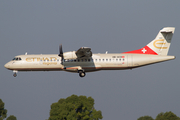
88,60
103,59
81,60
106,59
74,60
85,60
78,60
99,60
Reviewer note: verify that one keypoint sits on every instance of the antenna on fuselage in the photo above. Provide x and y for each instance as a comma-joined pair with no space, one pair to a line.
26,53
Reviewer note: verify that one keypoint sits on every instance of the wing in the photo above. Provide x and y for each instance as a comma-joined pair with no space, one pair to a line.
84,52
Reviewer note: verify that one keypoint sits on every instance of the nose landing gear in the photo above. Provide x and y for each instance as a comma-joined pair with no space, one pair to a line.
15,73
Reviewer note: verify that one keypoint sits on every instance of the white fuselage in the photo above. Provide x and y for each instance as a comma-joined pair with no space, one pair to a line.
52,62
83,60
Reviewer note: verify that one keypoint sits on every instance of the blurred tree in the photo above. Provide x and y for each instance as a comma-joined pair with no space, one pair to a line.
145,118
11,117
3,112
167,116
74,108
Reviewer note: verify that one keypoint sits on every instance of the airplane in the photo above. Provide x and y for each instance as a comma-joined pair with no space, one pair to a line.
83,60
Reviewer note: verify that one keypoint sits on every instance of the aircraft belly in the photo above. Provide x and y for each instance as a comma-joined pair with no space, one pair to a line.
87,67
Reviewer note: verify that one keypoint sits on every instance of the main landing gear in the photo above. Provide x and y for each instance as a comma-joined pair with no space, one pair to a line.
82,73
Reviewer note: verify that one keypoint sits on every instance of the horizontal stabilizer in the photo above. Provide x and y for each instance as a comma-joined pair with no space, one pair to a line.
167,30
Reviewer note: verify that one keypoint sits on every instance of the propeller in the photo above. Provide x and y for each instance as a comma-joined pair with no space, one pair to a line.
61,53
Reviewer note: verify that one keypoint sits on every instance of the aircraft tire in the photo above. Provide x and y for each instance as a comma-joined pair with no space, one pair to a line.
14,74
82,74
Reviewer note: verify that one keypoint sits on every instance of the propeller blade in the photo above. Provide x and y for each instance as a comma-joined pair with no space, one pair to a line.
60,50
61,53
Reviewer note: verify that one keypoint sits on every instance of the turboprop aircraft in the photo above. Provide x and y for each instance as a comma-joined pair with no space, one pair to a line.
83,60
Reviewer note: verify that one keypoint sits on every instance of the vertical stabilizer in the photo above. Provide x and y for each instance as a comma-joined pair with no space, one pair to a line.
162,42
160,45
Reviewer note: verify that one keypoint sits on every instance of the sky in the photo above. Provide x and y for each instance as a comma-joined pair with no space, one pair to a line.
39,26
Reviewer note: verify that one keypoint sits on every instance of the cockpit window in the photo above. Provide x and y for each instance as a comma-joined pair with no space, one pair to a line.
17,59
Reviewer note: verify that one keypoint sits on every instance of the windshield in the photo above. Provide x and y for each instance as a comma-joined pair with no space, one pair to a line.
16,59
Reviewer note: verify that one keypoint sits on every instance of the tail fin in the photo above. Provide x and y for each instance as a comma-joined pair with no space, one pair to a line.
160,45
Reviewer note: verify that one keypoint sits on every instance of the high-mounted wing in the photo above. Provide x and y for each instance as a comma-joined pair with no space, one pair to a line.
84,52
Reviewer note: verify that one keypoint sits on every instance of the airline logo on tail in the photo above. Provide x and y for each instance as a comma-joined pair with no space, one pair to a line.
159,44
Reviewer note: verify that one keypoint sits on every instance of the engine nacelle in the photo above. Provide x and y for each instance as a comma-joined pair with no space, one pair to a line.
70,55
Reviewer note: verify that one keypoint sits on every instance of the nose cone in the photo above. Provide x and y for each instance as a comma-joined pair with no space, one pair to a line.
6,65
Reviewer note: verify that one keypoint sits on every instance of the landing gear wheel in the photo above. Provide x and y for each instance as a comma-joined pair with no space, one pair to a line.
15,74
82,74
